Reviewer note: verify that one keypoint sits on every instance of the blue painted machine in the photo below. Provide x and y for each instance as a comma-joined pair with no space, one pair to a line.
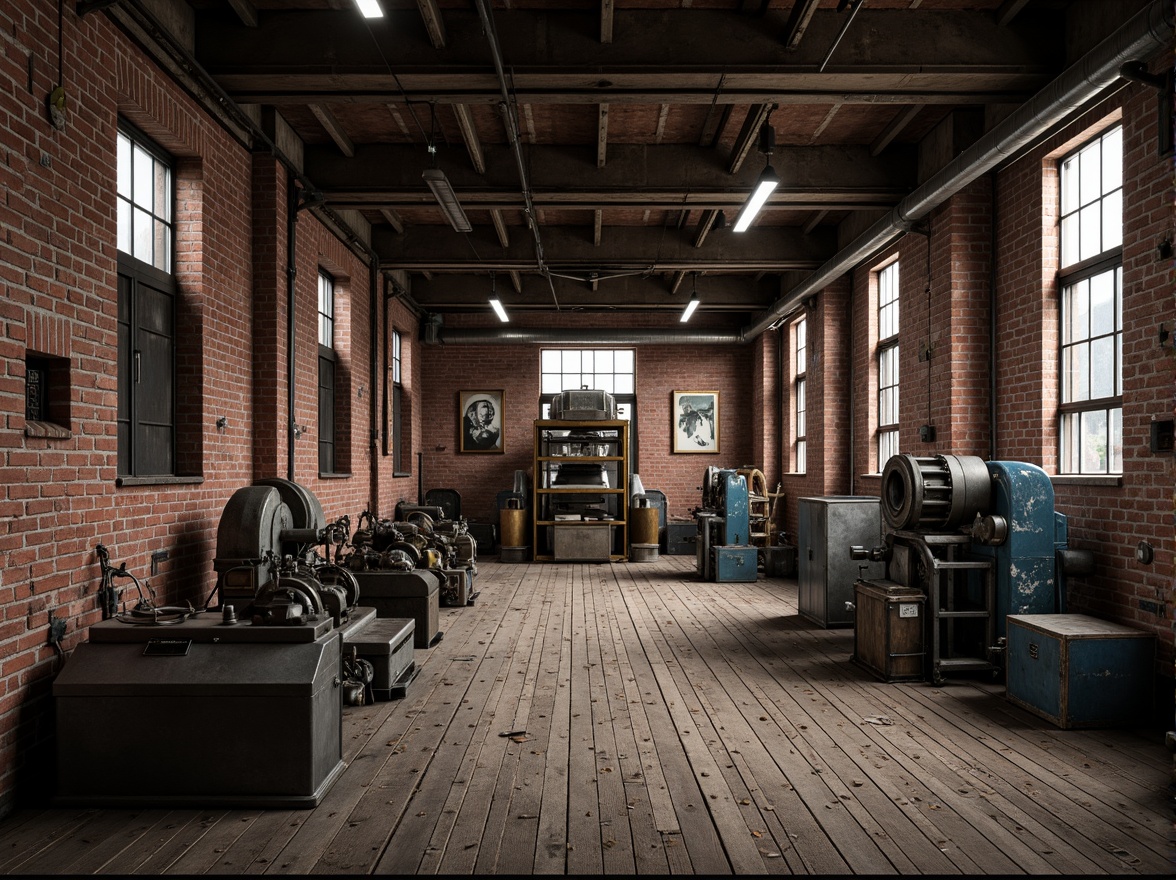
724,528
981,540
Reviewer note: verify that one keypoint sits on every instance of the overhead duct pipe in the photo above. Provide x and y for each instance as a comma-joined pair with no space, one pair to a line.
1145,33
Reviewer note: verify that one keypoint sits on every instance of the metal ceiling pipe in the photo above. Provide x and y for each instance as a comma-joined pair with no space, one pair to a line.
568,336
1145,33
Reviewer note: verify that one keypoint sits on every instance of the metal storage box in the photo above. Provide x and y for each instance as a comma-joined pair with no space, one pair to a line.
888,630
734,564
681,538
828,526
780,560
415,594
582,542
226,723
1079,671
386,643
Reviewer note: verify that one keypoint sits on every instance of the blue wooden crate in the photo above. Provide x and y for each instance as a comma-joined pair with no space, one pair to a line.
1079,671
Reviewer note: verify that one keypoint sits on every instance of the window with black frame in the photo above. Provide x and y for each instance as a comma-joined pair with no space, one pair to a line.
1090,279
147,293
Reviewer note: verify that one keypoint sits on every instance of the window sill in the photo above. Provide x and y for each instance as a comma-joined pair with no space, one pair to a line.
332,476
47,430
402,473
1087,480
158,481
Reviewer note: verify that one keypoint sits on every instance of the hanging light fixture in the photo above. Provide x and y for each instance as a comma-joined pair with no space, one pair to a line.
495,302
370,8
440,185
767,183
693,304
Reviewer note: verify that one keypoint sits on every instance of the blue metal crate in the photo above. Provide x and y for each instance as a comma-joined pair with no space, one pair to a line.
733,563
1079,671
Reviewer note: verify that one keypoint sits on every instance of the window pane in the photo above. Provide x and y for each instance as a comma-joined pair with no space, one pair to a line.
143,238
1115,462
1118,364
623,361
624,383
571,363
550,361
143,175
1077,387
1078,308
1094,442
125,227
1112,157
550,384
1090,173
1069,185
801,456
1069,240
162,251
604,362
604,382
124,166
1102,367
1112,220
1069,443
161,198
1090,232
1102,304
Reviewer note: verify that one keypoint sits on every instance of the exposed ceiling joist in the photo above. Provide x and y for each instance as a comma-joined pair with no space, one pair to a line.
607,9
900,121
798,21
500,227
434,25
469,134
748,135
328,121
1008,11
393,219
601,135
246,11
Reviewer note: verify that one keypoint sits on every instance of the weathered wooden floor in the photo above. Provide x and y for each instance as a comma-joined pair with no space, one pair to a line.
631,719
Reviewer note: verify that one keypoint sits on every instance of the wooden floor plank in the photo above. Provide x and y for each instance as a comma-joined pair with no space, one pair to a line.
518,840
672,726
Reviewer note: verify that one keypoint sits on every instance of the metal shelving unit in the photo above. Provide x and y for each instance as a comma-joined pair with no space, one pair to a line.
598,448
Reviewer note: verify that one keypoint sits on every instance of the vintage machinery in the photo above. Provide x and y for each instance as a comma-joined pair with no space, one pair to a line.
723,549
981,540
238,704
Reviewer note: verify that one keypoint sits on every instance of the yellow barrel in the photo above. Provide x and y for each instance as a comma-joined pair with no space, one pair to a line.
643,525
512,527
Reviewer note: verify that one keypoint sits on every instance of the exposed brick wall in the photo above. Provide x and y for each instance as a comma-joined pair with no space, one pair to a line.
661,370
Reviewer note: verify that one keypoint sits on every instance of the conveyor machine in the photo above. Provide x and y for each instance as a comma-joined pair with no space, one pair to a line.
234,706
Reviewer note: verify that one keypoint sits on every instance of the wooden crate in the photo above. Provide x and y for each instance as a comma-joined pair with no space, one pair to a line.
888,629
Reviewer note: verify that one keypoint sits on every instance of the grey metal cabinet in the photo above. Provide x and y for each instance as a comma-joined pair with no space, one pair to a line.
828,527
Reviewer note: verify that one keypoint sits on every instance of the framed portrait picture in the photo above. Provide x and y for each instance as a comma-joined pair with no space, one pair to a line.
479,414
696,421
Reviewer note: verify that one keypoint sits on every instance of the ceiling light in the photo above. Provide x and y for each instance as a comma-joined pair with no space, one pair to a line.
764,187
370,8
447,199
499,310
693,304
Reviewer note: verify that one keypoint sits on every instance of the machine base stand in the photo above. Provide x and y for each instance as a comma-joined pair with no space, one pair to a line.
399,688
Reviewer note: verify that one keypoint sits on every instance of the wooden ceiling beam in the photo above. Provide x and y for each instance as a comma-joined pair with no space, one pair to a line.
469,134
434,24
328,121
901,120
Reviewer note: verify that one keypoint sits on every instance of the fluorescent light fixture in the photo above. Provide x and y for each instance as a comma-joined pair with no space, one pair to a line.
370,8
689,310
499,310
447,199
764,187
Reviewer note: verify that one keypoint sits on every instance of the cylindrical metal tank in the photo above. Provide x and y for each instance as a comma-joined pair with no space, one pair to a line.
512,527
643,525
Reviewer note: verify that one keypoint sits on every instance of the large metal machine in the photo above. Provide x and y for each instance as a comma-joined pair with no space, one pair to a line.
237,704
724,553
979,540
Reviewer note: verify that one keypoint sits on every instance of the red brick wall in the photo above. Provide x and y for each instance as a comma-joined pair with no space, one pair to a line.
1106,516
661,370
58,297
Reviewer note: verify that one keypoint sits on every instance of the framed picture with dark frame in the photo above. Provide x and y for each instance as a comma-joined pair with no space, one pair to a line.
695,421
480,414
